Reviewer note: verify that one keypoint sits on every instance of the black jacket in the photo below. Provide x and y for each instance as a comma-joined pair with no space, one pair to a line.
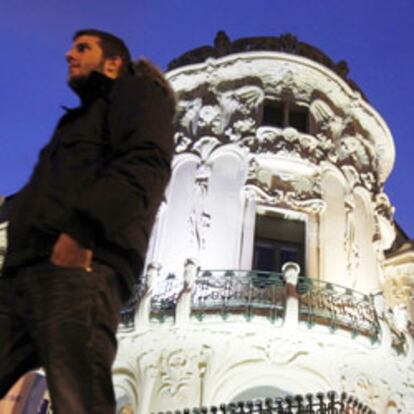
101,177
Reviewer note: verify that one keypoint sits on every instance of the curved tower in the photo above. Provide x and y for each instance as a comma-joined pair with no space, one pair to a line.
266,274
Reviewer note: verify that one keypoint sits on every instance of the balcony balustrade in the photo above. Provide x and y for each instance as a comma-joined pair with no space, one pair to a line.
283,299
319,403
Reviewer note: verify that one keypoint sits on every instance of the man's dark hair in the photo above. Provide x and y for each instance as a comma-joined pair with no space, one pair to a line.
112,46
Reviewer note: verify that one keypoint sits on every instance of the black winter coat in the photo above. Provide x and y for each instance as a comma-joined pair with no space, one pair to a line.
101,178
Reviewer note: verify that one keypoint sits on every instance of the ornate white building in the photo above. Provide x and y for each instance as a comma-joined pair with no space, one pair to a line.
279,159
275,267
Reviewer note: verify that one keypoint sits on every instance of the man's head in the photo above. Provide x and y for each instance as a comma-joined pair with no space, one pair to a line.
94,50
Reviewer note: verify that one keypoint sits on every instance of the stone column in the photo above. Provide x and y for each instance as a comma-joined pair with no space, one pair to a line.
291,272
144,310
183,309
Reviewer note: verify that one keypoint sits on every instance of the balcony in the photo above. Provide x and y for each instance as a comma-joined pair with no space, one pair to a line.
283,300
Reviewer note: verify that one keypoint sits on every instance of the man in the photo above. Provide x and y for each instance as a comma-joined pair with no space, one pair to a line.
79,229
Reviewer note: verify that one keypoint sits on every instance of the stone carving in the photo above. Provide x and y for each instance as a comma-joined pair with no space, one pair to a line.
277,351
371,390
286,141
296,192
241,111
401,288
176,371
234,116
286,43
396,319
351,247
383,207
229,116
199,219
330,127
181,372
358,156
345,146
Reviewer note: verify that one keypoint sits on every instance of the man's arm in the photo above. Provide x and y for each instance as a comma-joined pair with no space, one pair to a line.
140,134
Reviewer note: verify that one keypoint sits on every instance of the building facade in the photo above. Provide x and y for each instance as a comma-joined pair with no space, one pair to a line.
267,273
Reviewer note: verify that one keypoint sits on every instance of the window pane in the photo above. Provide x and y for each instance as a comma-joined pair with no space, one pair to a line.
289,254
272,115
278,240
264,255
298,118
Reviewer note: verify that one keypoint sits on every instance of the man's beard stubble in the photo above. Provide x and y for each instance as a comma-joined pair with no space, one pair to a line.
79,83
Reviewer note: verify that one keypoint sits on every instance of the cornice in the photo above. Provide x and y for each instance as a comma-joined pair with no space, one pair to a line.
224,98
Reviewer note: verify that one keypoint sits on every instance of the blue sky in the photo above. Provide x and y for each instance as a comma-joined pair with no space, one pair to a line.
374,36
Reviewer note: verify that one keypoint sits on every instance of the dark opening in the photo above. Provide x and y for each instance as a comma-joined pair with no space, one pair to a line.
273,115
298,118
277,241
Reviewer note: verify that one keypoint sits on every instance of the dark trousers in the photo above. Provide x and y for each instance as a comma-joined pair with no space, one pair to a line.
64,320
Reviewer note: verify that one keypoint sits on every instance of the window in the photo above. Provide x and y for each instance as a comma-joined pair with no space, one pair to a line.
278,240
298,118
273,115
284,114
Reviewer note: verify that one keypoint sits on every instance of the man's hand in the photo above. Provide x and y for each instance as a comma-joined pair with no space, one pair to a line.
67,252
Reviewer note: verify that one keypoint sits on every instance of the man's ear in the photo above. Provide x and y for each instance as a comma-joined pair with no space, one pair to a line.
112,67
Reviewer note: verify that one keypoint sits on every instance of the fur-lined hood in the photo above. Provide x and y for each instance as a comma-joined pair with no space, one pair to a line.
143,67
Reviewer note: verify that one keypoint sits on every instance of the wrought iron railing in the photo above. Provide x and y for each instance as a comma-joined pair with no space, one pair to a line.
329,304
164,302
319,403
248,293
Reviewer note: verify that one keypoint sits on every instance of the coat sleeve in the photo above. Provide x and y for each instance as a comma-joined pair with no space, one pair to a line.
131,185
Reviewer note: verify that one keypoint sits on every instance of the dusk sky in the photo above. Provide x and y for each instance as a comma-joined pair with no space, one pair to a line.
375,37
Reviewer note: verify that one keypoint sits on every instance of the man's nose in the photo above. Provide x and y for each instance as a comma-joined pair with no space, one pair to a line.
69,56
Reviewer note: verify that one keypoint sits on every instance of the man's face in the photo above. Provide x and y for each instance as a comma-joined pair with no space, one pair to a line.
83,57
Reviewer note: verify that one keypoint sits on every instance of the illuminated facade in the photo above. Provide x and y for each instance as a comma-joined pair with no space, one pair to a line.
279,159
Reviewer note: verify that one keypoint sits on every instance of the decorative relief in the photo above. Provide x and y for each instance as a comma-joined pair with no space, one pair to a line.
369,389
241,111
297,192
385,231
289,84
383,207
178,369
234,116
280,352
286,43
286,141
200,219
397,320
346,146
229,116
352,249
400,288
176,372
330,126
357,160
